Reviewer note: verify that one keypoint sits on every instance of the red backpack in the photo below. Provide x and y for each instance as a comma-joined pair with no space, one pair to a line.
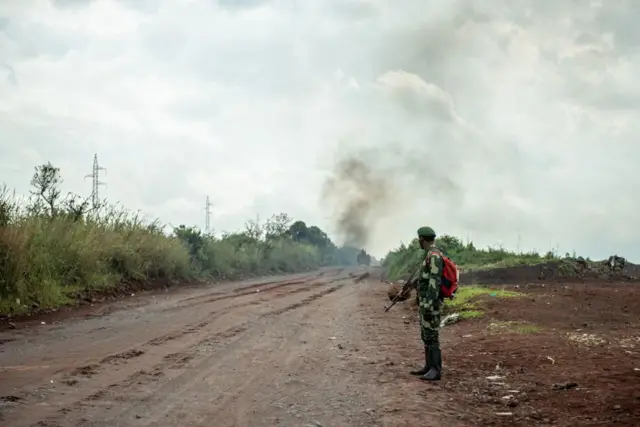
450,276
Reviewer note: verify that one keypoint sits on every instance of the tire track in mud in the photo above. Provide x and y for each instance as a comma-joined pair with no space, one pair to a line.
192,329
263,376
202,369
83,379
195,300
304,302
265,286
249,290
167,371
169,336
177,334
261,284
285,388
93,369
141,381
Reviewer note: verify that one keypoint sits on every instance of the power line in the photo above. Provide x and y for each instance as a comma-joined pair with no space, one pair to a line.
96,183
207,210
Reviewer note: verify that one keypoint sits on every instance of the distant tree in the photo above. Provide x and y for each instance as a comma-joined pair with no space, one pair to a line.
450,244
298,231
319,238
253,229
76,206
46,183
46,195
277,226
191,237
364,258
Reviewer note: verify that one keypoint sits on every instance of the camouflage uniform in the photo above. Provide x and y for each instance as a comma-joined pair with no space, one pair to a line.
429,298
430,303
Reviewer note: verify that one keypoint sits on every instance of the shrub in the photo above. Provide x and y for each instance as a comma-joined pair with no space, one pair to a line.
402,260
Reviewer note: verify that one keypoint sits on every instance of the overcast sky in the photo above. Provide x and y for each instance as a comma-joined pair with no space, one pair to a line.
504,119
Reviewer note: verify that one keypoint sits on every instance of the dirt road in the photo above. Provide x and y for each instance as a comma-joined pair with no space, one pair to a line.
294,351
318,349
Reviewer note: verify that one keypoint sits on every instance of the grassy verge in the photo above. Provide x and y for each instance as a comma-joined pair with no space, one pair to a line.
468,300
48,262
469,305
55,249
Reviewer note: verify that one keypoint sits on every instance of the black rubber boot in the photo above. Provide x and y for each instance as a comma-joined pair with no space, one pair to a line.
435,363
426,367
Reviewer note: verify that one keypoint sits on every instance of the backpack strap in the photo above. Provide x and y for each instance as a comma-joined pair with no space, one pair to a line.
437,251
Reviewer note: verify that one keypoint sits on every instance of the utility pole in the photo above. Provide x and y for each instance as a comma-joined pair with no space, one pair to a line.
96,183
518,249
207,210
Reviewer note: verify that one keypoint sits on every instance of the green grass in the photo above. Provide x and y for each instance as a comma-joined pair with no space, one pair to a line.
471,314
468,300
515,327
467,296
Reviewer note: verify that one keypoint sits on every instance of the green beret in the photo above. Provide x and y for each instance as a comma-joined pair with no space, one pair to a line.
426,232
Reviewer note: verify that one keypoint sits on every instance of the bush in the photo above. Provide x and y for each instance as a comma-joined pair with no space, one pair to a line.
53,248
406,258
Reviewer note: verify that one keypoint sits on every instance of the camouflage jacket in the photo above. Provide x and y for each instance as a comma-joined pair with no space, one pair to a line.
430,275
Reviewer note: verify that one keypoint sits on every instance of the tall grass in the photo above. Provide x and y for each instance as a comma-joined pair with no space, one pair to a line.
44,259
51,253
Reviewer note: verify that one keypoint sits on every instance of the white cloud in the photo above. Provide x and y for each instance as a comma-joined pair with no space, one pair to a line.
515,119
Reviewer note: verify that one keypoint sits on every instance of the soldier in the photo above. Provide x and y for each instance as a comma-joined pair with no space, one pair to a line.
430,301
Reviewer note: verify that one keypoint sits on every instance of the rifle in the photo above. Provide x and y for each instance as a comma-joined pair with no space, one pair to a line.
410,283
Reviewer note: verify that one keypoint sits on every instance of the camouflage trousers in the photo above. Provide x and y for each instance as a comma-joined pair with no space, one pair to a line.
429,310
